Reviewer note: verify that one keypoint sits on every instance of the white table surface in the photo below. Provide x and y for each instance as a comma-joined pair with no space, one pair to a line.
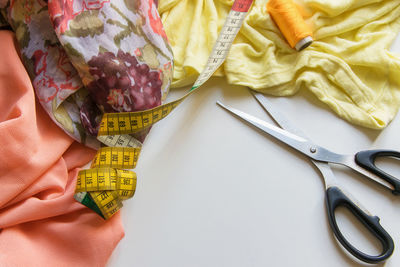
213,191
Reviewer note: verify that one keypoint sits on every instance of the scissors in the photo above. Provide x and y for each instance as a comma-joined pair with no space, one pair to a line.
362,162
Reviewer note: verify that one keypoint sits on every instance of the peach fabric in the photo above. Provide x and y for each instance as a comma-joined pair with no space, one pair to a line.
40,222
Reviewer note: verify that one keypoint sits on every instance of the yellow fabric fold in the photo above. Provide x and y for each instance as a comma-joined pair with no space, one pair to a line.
349,66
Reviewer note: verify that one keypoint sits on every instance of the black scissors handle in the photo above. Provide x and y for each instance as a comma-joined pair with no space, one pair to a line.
366,159
335,198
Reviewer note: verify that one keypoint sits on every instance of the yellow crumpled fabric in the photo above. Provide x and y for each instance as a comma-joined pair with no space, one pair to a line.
349,66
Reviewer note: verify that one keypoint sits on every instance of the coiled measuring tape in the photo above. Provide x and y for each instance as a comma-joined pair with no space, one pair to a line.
103,187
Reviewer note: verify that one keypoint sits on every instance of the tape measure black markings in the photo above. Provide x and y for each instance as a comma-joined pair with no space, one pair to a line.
110,202
107,201
107,188
132,122
103,187
124,140
112,185
104,179
116,157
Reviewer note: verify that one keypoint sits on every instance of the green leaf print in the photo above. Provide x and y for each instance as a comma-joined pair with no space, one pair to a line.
86,23
149,56
22,34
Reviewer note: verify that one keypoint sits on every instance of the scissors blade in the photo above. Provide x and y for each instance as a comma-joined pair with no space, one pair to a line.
346,160
281,120
277,115
299,143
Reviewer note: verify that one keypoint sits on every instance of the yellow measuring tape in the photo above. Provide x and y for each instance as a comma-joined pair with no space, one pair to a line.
104,186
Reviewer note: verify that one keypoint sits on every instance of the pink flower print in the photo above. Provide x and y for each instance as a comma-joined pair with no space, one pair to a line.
55,76
62,11
44,85
94,5
155,21
137,52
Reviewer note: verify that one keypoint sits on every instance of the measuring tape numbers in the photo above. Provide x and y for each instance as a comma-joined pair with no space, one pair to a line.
106,184
103,187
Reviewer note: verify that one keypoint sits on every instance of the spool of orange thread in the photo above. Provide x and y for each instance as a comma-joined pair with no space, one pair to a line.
290,23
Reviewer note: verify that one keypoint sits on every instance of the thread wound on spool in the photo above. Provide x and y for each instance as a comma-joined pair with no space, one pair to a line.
290,22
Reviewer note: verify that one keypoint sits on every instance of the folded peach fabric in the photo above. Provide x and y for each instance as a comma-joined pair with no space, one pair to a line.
40,222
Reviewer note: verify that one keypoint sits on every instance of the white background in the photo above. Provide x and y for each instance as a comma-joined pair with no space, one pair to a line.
213,191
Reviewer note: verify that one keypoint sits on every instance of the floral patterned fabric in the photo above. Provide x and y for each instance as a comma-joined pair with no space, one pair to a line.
89,57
